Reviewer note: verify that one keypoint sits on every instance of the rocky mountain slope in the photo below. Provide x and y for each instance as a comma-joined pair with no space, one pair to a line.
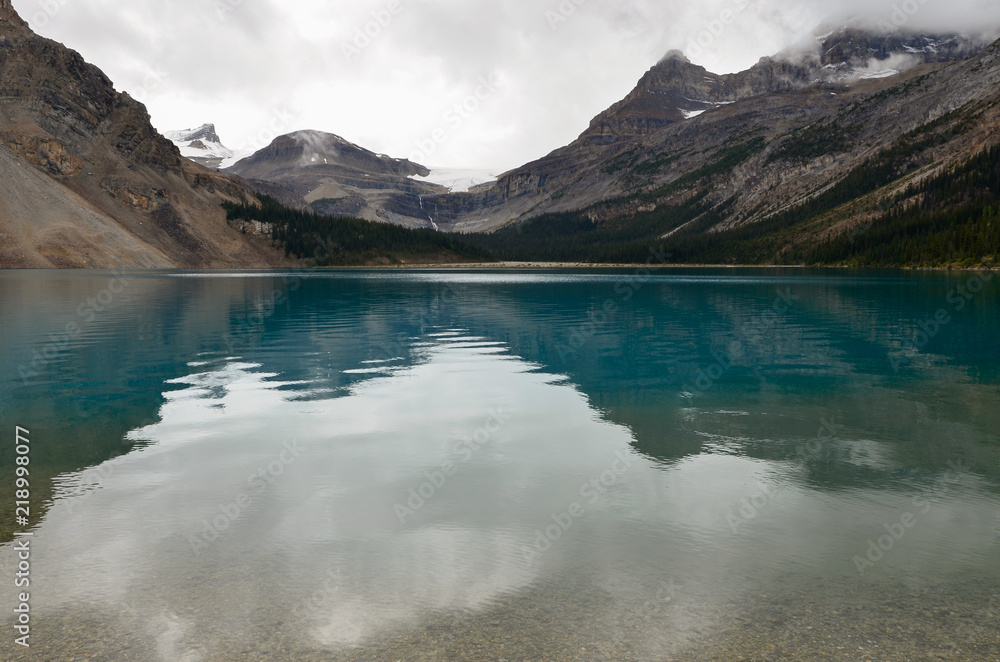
675,90
334,176
679,118
85,180
836,137
680,115
777,177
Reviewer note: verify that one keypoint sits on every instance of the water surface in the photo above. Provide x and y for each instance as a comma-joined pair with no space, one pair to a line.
521,465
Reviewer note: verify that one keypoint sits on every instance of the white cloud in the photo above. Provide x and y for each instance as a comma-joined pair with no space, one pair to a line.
243,63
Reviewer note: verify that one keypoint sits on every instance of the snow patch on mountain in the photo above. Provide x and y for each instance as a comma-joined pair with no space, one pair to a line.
238,155
688,114
884,73
459,180
890,66
202,145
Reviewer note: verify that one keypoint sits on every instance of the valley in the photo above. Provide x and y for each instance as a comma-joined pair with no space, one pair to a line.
811,156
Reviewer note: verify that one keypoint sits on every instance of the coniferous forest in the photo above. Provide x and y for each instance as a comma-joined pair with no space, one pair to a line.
334,241
951,219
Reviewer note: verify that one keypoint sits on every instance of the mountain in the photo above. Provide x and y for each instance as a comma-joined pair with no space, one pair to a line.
678,119
852,147
859,169
333,176
624,148
85,180
675,90
202,145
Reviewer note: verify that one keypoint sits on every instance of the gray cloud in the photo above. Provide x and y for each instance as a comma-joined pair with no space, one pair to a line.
261,67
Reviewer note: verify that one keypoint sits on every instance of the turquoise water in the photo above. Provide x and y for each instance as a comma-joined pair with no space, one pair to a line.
523,465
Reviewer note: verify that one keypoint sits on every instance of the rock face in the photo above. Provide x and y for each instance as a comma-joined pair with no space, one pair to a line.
666,94
679,109
315,149
755,157
675,89
678,117
205,133
85,180
337,177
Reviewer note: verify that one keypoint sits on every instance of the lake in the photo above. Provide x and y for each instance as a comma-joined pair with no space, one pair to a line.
694,464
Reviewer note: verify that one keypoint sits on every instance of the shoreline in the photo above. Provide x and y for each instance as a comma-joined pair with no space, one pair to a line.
625,265
491,265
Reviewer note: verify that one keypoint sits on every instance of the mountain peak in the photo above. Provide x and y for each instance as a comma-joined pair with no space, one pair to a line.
855,47
202,145
675,54
322,150
319,139
204,132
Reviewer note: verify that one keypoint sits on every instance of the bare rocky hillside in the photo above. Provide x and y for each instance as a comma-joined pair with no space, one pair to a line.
85,180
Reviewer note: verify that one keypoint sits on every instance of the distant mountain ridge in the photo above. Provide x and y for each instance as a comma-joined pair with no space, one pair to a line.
334,176
829,171
675,89
595,166
841,136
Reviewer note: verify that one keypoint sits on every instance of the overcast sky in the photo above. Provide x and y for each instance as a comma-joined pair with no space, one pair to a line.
528,75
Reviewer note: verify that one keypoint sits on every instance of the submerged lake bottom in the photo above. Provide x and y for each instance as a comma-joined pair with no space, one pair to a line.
581,622
700,464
